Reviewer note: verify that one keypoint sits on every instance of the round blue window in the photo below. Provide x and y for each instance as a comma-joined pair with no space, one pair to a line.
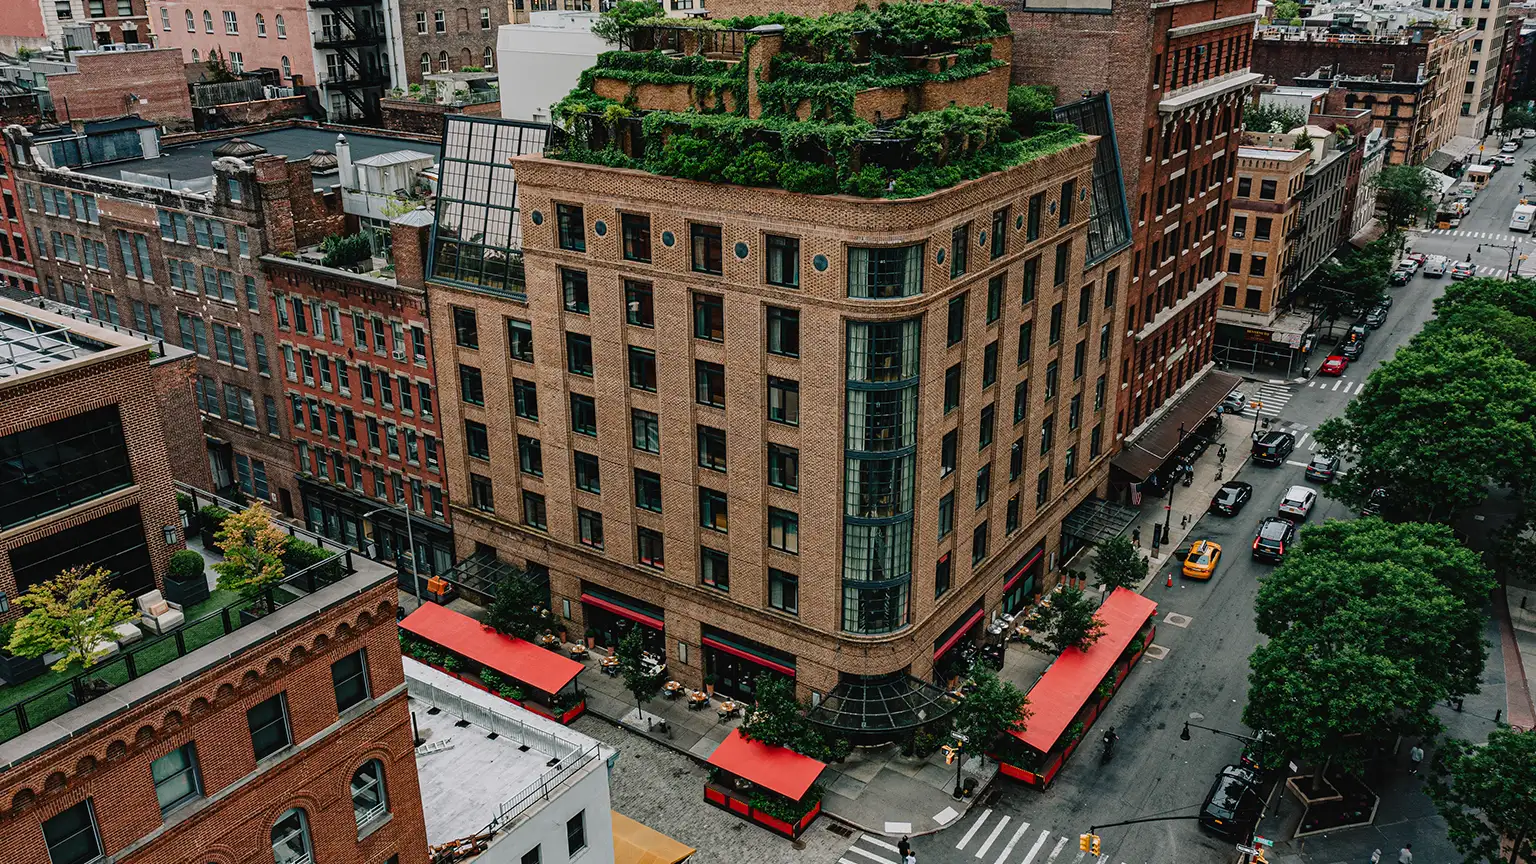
1082,193
741,250
981,239
601,228
820,263
538,218
667,239
1018,222
1052,208
940,257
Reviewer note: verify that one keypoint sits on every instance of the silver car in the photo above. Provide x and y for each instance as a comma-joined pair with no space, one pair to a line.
1235,403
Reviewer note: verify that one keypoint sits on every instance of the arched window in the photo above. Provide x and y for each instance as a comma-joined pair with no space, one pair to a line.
490,59
290,839
191,22
261,25
368,799
287,69
207,21
442,61
426,63
194,56
282,29
466,59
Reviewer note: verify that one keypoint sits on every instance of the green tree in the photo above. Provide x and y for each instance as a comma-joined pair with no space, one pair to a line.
994,708
1302,141
217,68
638,679
253,555
778,719
518,608
1119,564
615,23
1271,118
1503,309
1487,796
1071,621
1517,118
72,613
1354,280
1404,193
1285,10
1448,414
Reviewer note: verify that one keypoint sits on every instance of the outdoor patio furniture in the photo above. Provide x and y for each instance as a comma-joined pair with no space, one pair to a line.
578,650
729,709
671,689
127,634
697,699
104,649
158,614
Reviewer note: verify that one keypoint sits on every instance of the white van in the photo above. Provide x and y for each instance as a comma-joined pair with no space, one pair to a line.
1521,220
1435,266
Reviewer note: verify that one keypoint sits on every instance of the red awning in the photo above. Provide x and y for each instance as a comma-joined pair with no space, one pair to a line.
1021,569
959,632
537,667
1065,687
623,611
775,768
749,656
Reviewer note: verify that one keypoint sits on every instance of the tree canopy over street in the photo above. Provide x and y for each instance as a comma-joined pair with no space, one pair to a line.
1119,564
1487,795
1403,194
1358,280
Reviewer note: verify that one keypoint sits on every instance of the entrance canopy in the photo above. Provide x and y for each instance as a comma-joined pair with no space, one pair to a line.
777,769
623,611
537,667
1096,520
871,707
1065,687
1147,453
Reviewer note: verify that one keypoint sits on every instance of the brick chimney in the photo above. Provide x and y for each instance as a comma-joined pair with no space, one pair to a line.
410,236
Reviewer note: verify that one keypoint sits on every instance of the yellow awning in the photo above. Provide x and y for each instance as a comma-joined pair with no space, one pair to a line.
634,843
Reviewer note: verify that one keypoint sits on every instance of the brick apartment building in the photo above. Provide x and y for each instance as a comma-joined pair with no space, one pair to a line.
447,38
16,269
203,265
1414,81
40,24
149,84
1178,136
664,401
1265,215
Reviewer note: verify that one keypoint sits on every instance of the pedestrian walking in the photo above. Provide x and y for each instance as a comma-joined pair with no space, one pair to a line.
1136,536
1415,756
910,859
903,848
1405,855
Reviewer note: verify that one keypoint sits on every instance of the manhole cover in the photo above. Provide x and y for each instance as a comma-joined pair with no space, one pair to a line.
1156,652
1177,620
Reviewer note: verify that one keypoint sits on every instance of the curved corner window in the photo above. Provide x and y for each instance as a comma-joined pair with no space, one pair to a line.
368,800
885,272
290,839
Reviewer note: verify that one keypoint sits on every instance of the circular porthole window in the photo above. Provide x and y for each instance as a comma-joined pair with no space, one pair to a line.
667,239
820,263
601,228
741,250
538,218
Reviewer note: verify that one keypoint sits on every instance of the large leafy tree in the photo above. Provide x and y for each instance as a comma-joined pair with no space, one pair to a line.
780,720
1504,309
1487,796
1118,564
1449,414
518,608
253,549
1403,194
1271,118
1356,280
1517,118
638,678
1070,621
73,613
994,707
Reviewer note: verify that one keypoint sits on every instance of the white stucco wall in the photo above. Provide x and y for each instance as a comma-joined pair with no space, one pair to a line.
539,62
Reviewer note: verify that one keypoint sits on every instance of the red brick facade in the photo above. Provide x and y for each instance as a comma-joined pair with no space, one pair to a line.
16,268
151,84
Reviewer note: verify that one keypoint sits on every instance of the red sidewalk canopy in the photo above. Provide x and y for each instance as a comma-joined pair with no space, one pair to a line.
1066,687
775,768
537,667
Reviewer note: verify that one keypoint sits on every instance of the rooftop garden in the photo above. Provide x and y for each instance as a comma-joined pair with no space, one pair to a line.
808,131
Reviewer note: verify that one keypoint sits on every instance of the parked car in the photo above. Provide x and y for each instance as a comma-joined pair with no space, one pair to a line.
1233,806
1463,270
1323,468
1200,561
1235,403
1504,159
1298,502
1353,350
1528,133
1273,535
1374,504
1271,448
1384,301
1400,277
1510,146
1376,317
1334,365
1230,498
1418,258
1357,333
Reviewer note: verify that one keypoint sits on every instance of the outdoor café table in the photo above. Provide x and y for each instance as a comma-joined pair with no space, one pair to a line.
548,639
671,689
610,665
578,650
729,709
697,699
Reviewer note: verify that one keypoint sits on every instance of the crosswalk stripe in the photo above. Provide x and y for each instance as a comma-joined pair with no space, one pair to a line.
1014,841
1335,386
881,843
992,838
1057,851
1035,850
872,856
1080,855
1304,437
975,826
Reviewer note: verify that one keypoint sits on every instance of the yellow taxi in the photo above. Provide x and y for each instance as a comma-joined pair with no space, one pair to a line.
1200,560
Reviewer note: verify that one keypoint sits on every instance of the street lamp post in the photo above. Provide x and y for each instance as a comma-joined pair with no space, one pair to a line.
1258,406
410,542
1510,274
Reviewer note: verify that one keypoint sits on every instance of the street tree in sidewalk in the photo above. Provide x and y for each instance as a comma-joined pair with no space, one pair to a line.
1449,414
1404,193
638,679
1504,309
1071,621
1117,563
1487,796
992,709
1356,280
518,609
1517,118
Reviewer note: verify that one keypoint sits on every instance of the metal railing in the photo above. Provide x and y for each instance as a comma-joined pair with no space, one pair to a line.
508,811
154,652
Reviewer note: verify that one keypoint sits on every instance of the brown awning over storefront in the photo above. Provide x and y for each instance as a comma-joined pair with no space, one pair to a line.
1143,456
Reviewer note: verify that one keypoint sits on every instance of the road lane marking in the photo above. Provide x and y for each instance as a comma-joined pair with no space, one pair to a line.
1014,841
872,856
1035,850
975,826
1297,464
881,843
992,838
1057,851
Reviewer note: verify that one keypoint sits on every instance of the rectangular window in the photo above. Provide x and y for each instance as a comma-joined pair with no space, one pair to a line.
519,340
349,678
784,401
525,399
1079,359
1012,520
941,575
985,428
979,544
983,485
999,233
784,591
1042,487
176,777
714,568
1063,258
645,431
571,227
783,331
1084,303
783,467
649,548
709,383
1026,338
885,272
588,474
946,515
1036,205
476,440
1052,376
784,531
955,327
711,448
947,453
959,246
71,835
268,722
709,317
530,456
704,244
639,304
583,415
712,510
471,387
783,261
637,237
1047,434
573,285
642,369
466,331
589,528
952,377
480,496
1068,193
989,365
647,490
533,511
1054,335
578,350
994,298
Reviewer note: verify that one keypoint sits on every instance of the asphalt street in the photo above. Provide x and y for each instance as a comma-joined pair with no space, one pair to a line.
1203,676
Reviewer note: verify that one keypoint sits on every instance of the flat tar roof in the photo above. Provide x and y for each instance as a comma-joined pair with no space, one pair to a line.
191,161
29,342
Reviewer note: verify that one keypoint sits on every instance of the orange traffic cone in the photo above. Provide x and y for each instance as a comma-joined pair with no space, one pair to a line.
1170,578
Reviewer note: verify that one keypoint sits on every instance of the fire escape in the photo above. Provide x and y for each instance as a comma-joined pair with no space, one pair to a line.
348,28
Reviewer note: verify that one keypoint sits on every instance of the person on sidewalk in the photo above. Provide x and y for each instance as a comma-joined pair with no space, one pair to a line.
903,848
1405,855
1136,536
1415,756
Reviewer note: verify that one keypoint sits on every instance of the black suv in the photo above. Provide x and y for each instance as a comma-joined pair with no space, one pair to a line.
1353,350
1274,534
1271,448
1234,804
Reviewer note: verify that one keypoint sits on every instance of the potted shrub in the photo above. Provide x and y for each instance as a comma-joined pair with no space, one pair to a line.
16,668
189,516
709,685
209,519
253,563
186,582
591,638
73,613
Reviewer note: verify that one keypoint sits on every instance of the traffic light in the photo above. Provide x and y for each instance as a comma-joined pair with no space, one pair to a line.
1084,841
1094,849
950,751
